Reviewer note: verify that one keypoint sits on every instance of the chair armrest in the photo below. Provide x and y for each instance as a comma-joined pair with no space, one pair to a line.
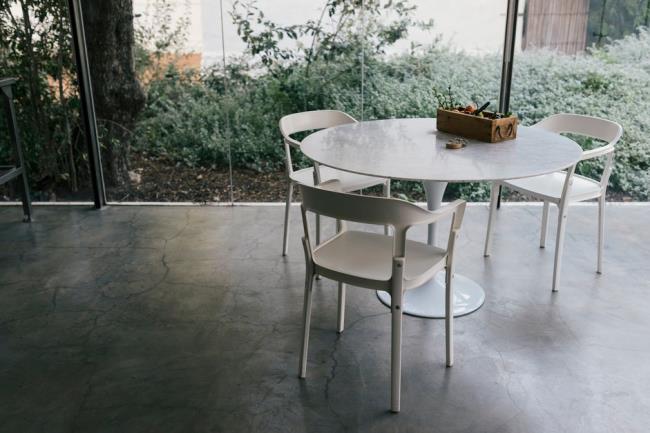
292,142
456,207
331,185
595,153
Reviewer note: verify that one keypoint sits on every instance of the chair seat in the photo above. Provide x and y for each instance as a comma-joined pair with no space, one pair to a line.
549,186
349,181
368,257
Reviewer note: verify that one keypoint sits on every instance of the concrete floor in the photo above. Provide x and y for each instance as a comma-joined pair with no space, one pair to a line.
187,319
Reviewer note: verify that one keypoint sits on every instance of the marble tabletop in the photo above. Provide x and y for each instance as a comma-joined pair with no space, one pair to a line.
412,149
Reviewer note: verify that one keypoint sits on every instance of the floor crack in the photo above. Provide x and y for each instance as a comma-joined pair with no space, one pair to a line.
330,379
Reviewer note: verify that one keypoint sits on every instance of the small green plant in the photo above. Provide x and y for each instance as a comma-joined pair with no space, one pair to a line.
446,99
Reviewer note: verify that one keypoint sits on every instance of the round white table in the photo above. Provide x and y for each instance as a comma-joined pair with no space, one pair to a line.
413,149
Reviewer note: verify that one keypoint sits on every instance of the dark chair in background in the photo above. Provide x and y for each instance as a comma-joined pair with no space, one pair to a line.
18,169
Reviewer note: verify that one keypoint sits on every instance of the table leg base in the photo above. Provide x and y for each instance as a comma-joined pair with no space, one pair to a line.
428,300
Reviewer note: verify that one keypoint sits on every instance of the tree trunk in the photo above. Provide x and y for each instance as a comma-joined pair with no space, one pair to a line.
117,93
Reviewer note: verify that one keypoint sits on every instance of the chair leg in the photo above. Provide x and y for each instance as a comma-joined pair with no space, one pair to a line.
317,236
542,236
386,191
396,350
601,232
341,309
287,209
559,245
309,279
449,316
494,194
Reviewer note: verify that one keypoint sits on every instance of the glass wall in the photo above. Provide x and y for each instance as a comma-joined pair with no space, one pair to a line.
189,110
35,48
419,48
217,77
165,130
590,57
285,57
188,94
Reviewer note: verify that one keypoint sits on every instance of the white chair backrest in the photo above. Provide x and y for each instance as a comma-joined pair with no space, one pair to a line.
361,209
308,121
326,200
312,120
594,127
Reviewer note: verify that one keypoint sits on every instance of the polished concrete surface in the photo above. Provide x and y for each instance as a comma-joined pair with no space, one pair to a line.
187,319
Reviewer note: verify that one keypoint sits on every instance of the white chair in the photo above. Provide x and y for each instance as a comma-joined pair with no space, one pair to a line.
309,121
376,261
564,187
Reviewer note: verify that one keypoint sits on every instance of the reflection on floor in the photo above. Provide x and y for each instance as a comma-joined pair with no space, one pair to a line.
186,319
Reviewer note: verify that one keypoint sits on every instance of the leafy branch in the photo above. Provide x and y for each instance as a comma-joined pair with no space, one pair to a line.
343,28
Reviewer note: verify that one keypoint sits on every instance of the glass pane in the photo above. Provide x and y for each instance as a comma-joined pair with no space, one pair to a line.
589,57
160,100
35,48
417,48
291,56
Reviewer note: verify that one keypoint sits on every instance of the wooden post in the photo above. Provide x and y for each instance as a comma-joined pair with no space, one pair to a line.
556,24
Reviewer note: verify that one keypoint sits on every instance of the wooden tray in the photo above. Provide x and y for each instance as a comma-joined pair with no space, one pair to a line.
479,128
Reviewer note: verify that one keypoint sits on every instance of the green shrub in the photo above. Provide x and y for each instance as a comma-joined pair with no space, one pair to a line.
185,121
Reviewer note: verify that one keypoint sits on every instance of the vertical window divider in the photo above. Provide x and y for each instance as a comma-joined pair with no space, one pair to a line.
89,120
508,55
226,89
363,57
506,65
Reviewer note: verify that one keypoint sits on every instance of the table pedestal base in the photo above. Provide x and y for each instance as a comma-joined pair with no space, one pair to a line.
428,300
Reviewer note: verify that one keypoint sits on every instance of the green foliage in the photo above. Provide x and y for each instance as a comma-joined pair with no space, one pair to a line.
183,120
614,19
35,48
611,82
446,99
227,115
345,28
